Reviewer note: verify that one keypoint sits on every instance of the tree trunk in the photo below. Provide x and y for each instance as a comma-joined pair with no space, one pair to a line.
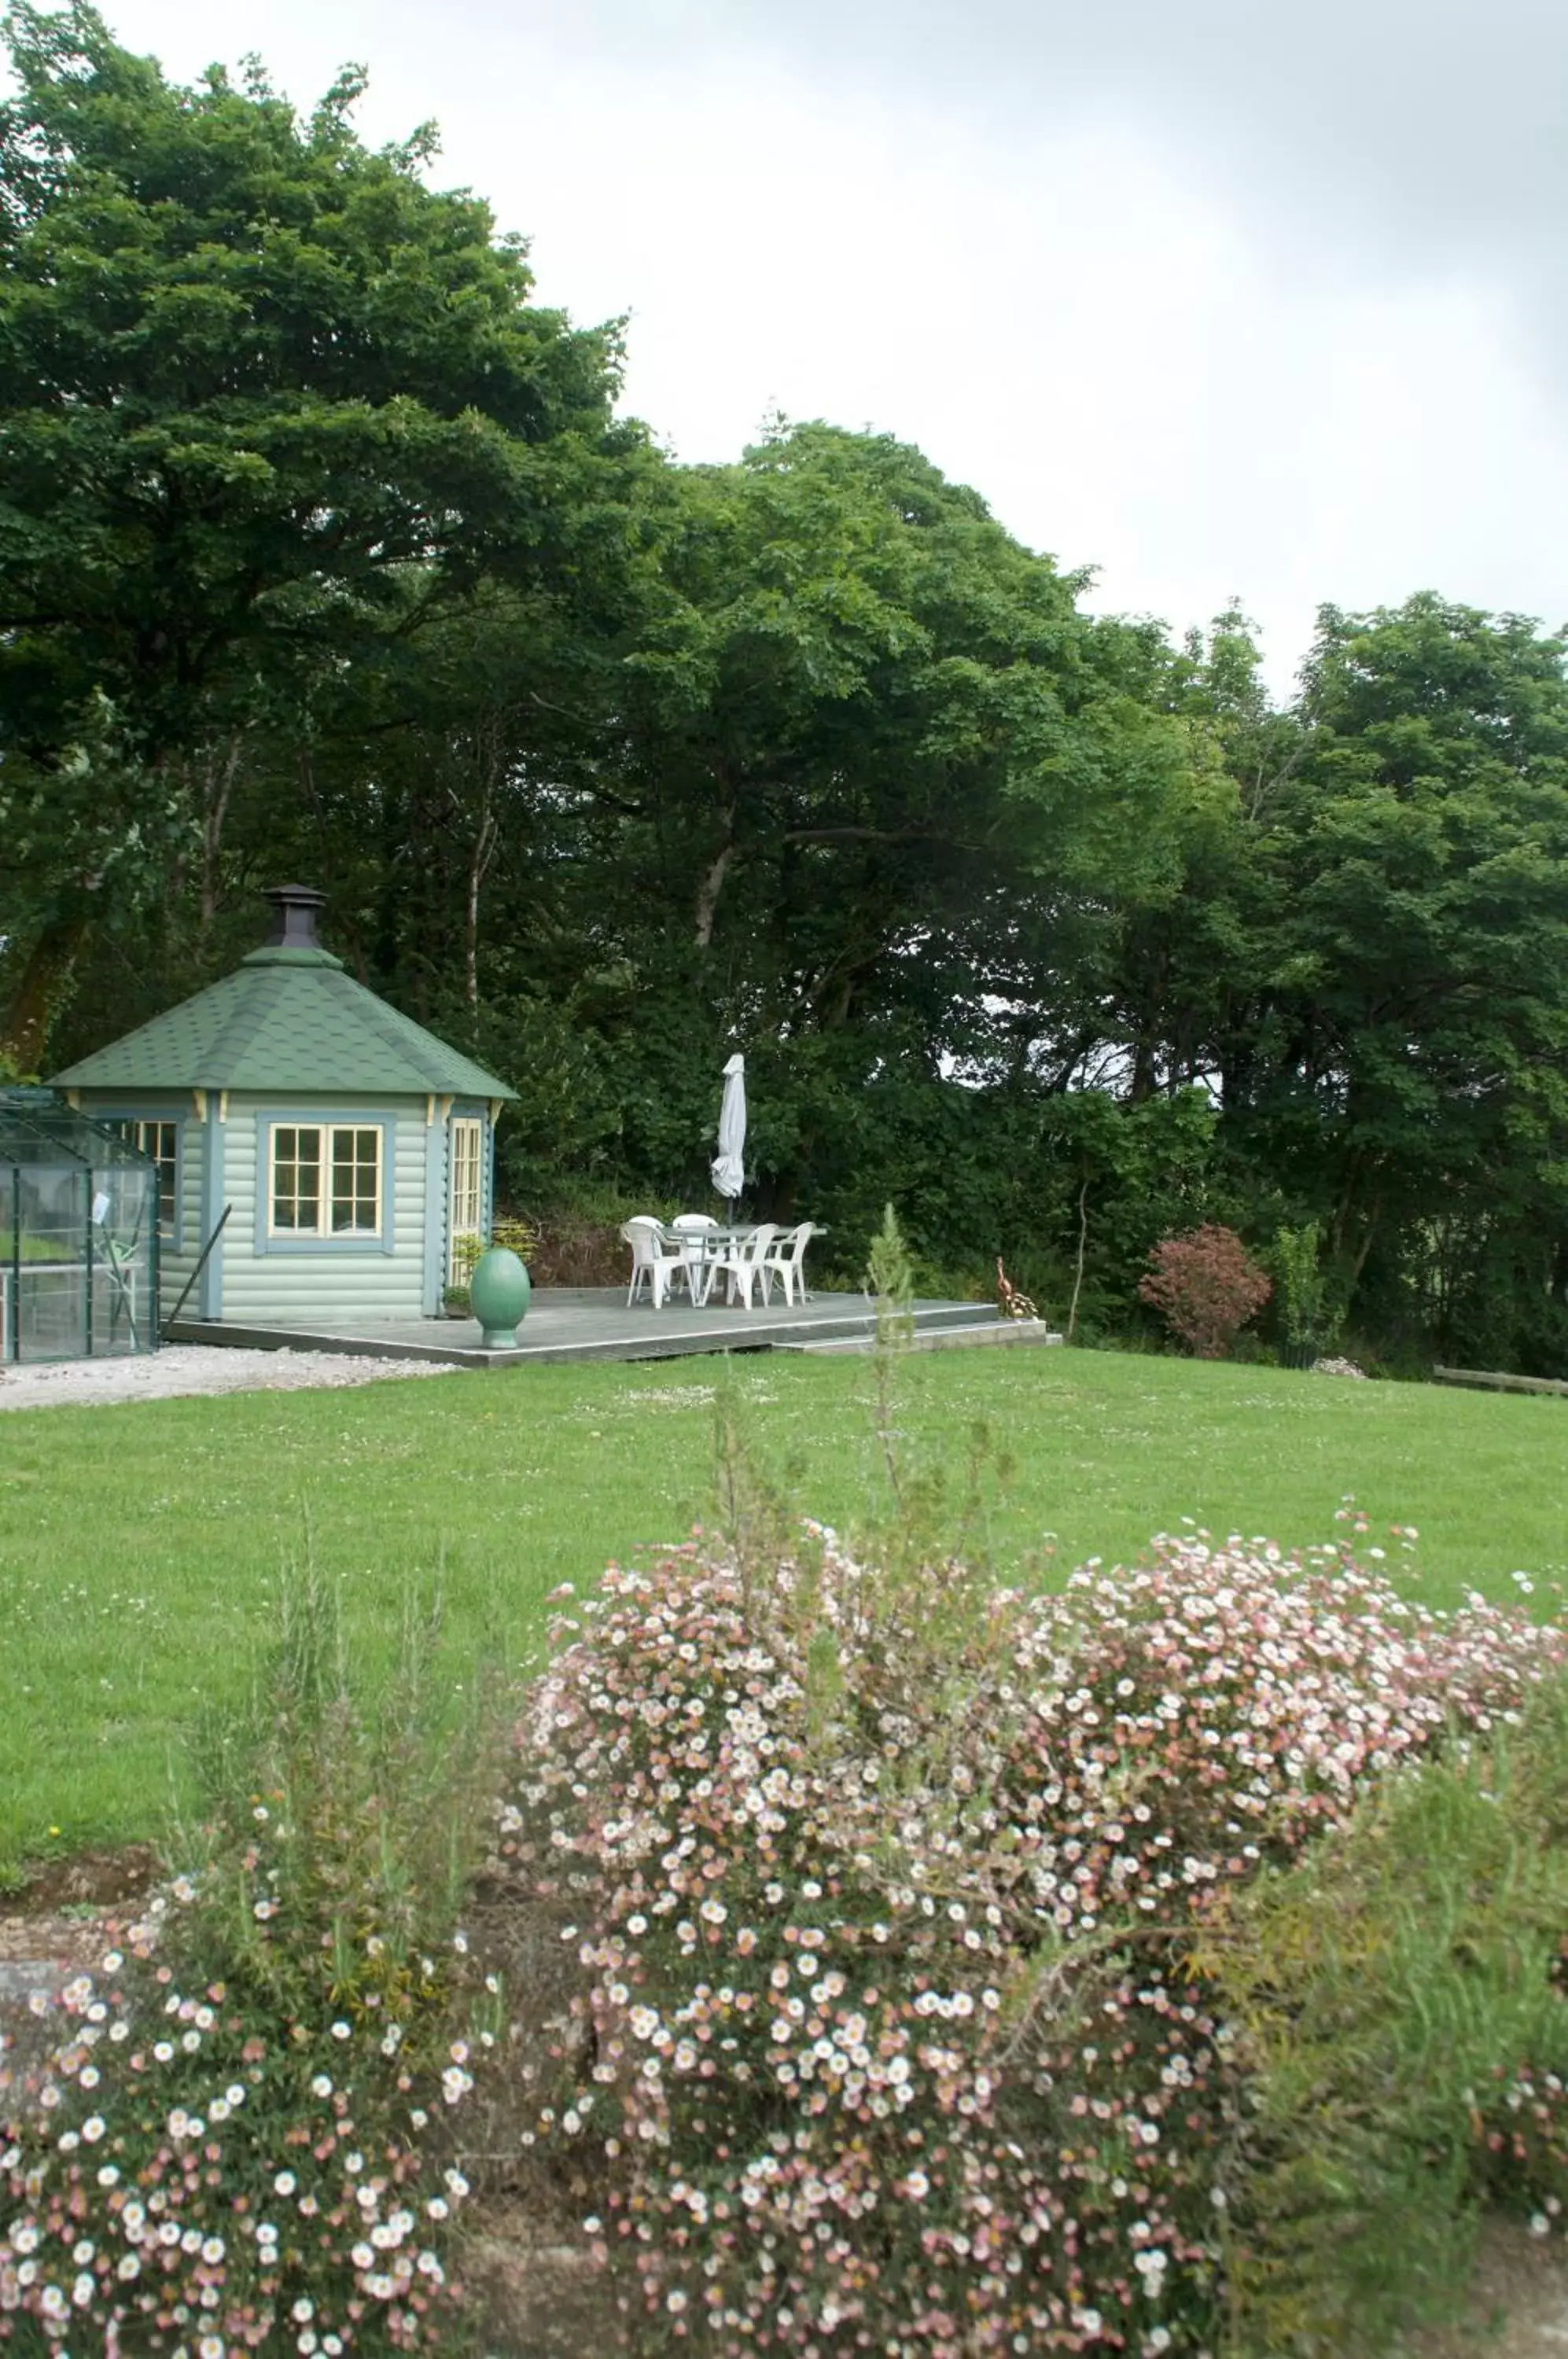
1083,1249
218,786
487,761
45,980
480,853
713,883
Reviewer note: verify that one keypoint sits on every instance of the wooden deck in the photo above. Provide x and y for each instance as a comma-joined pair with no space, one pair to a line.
595,1324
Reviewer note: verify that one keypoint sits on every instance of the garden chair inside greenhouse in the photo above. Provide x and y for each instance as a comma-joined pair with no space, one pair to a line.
116,1257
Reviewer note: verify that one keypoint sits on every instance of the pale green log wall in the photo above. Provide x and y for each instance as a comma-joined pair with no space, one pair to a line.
241,1286
303,1288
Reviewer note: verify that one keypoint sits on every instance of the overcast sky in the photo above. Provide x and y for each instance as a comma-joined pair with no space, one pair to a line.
1242,297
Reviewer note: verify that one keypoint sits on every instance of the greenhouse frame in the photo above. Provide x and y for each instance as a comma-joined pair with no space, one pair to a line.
78,1235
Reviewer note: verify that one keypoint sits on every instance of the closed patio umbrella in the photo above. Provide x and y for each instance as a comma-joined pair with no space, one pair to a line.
727,1172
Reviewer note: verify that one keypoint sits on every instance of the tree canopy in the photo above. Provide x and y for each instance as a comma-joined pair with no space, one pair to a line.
267,405
323,551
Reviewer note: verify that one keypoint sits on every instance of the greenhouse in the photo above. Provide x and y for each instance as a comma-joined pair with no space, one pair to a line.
78,1220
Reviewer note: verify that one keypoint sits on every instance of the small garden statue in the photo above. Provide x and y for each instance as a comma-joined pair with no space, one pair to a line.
1009,1302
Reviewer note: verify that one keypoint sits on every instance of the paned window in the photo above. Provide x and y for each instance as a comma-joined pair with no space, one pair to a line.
356,1183
326,1180
161,1141
467,1194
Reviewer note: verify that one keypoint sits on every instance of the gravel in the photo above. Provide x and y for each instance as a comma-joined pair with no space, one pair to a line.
196,1368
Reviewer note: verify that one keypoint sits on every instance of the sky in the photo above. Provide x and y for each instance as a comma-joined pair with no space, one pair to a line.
1240,298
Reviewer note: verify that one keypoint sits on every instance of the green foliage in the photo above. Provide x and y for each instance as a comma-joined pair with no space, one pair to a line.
515,1235
1302,1288
1400,907
268,405
372,1814
889,1279
1384,1996
222,321
1060,933
933,1507
466,1253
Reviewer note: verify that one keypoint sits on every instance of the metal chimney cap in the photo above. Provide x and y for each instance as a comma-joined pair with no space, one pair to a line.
294,923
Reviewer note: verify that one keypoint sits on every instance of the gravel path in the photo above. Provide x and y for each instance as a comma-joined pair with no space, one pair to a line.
196,1368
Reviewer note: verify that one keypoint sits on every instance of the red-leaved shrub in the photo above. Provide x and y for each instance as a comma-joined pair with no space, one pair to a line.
1207,1285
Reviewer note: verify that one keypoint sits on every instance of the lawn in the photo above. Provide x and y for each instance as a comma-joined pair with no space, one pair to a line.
139,1546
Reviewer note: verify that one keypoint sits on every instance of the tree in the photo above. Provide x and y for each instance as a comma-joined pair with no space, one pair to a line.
269,405
871,758
1422,949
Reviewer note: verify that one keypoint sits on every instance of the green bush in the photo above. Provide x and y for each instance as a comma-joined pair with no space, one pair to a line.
1399,2039
1308,1318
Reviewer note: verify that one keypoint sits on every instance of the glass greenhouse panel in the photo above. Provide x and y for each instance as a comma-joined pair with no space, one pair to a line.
78,1235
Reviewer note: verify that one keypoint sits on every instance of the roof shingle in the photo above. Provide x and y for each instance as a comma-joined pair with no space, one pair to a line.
284,1020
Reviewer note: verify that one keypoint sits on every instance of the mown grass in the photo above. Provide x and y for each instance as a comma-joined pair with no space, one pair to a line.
140,1546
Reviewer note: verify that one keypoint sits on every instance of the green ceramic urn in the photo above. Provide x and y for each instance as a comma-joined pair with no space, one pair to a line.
498,1294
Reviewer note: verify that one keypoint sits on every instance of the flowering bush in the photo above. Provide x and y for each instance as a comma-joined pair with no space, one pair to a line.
1207,1285
180,2180
1522,2121
881,1890
240,2138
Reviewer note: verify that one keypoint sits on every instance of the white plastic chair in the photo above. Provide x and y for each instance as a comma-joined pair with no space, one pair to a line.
787,1262
651,1259
743,1265
697,1265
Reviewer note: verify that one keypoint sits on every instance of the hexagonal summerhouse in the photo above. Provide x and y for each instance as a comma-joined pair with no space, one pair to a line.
319,1155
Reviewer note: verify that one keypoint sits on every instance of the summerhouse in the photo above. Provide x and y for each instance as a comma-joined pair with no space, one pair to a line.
319,1155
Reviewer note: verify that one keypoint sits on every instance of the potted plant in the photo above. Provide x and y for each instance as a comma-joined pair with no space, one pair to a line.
466,1253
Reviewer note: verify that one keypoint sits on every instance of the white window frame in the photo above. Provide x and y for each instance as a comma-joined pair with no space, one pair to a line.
323,1237
457,1226
132,1128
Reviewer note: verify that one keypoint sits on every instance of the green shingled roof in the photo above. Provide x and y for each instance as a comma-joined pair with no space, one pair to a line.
284,1020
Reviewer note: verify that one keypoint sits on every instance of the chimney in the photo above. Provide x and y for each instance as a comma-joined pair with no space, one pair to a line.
294,918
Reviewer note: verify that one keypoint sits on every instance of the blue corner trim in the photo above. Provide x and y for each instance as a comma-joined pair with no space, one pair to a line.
211,1286
436,1135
